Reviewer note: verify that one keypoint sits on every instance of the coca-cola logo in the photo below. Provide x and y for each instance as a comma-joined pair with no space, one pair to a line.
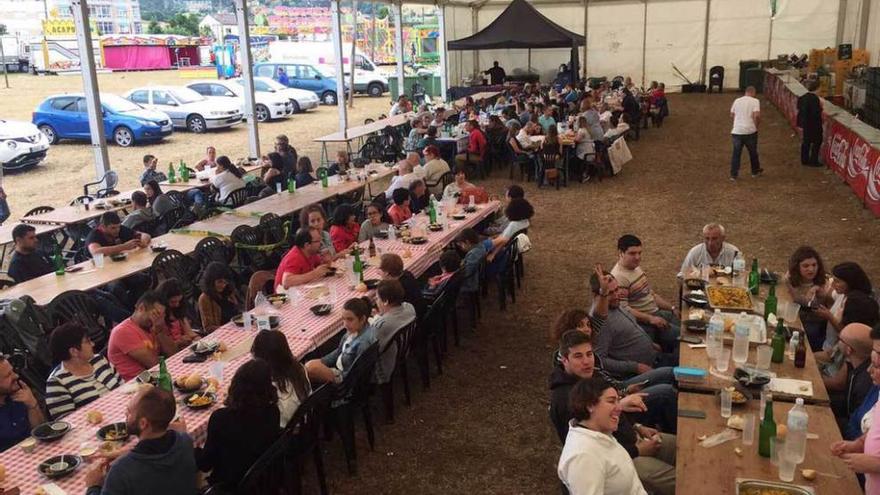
839,149
874,181
857,165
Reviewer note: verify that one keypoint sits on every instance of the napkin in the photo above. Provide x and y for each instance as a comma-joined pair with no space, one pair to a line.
52,489
791,386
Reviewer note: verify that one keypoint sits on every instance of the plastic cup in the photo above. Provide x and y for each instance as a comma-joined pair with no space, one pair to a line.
726,403
765,352
786,466
98,260
722,361
777,450
215,370
748,429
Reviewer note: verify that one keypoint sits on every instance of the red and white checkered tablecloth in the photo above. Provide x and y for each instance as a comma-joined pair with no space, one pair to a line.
305,332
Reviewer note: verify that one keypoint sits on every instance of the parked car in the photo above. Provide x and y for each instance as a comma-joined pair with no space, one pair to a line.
125,123
301,76
187,109
267,106
22,145
301,99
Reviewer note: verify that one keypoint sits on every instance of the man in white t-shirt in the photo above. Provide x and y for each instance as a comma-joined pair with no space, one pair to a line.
746,113
712,251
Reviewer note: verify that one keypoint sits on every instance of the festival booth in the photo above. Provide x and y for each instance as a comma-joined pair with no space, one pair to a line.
520,26
149,51
850,147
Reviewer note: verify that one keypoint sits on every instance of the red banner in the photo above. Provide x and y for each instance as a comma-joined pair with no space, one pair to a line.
872,188
839,138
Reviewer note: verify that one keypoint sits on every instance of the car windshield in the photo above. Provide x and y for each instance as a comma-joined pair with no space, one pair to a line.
272,84
186,95
118,104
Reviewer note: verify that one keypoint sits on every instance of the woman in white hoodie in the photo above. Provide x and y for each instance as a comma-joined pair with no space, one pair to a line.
592,462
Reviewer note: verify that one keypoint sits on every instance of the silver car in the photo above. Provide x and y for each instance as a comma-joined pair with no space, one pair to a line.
187,109
301,99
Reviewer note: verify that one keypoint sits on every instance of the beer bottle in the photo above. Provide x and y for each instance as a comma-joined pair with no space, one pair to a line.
754,278
372,248
800,352
164,375
770,302
171,178
767,430
778,343
58,261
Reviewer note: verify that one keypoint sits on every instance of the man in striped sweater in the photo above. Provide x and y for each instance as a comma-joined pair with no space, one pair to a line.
82,376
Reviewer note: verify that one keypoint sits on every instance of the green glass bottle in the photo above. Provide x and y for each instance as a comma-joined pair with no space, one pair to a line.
358,266
778,343
770,303
291,185
164,375
322,174
171,178
58,261
754,278
432,211
767,430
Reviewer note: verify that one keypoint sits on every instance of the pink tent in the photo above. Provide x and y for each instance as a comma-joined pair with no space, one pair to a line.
148,52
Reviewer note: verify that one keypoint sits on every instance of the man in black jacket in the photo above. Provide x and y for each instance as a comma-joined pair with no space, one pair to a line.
653,453
809,120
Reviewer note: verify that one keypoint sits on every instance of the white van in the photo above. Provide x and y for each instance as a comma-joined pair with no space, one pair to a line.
367,78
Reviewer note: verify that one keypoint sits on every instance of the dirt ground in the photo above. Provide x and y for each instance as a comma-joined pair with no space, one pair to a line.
483,426
70,164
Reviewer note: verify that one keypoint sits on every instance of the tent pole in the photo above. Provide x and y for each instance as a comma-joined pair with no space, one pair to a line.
586,43
90,86
354,37
475,26
398,46
336,32
444,57
704,62
863,25
841,22
530,61
644,41
247,76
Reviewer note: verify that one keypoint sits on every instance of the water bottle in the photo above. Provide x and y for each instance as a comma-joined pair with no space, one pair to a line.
793,343
796,440
715,334
741,339
739,269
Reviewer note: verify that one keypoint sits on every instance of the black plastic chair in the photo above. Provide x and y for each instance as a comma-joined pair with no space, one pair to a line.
110,180
716,78
80,307
26,326
442,182
236,198
305,438
548,160
349,396
266,475
174,264
39,210
47,242
176,197
171,219
213,249
400,344
250,250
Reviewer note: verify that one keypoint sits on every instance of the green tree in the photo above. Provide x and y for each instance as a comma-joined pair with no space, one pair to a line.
154,28
183,24
382,13
205,32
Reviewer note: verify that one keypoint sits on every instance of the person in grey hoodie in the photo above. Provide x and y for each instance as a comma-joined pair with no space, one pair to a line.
162,461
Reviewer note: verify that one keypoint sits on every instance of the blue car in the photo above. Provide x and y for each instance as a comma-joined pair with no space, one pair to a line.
301,76
125,123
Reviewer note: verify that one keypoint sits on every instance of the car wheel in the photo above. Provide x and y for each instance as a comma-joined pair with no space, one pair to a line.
49,132
329,98
374,90
123,136
261,113
295,106
195,123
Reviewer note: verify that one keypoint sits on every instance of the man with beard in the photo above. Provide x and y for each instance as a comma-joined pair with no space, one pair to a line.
652,452
26,262
19,410
133,346
162,461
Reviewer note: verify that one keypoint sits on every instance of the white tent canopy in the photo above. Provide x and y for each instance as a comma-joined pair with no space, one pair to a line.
643,38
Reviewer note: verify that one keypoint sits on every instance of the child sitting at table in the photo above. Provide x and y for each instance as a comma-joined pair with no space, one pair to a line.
399,211
450,262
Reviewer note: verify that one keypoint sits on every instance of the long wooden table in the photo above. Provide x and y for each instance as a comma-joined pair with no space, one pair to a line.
715,469
194,183
305,332
67,215
360,132
460,103
44,289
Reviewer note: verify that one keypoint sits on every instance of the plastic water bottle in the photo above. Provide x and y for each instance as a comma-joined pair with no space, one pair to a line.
715,334
741,339
793,343
796,440
739,270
